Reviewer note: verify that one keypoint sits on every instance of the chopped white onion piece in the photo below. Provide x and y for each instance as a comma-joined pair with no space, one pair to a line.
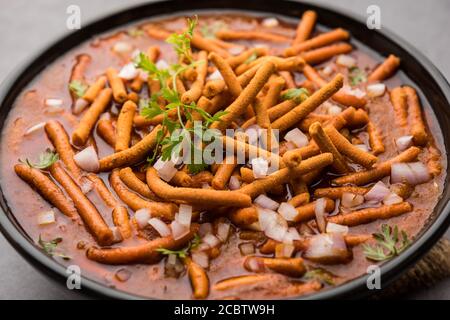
392,198
346,61
87,159
319,210
378,192
54,106
35,128
234,183
336,228
247,248
117,236
350,200
80,105
162,64
122,47
404,142
47,217
205,228
201,258
135,53
184,215
353,92
166,169
86,185
223,231
412,173
376,90
270,22
254,265
236,50
216,75
334,110
266,218
328,70
142,216
260,166
265,202
297,137
291,235
363,147
128,72
326,246
178,230
273,225
162,228
287,211
211,240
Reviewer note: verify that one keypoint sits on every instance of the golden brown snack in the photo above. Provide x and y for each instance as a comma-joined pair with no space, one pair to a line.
385,69
418,130
93,91
321,40
106,131
118,87
305,27
198,278
292,267
398,100
324,53
124,126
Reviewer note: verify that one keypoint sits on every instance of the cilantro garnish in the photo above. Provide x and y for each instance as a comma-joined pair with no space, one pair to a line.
356,76
297,94
78,88
50,246
46,159
389,244
183,253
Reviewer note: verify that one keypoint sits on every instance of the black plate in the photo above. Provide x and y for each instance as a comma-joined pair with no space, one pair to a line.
415,66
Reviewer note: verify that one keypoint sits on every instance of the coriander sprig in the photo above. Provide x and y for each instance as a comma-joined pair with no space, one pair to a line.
356,76
78,88
182,41
297,94
389,244
50,247
46,159
183,253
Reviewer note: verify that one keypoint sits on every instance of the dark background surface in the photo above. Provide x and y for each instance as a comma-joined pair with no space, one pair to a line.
26,26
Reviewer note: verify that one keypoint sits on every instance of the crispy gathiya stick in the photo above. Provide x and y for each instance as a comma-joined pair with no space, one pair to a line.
349,150
60,140
121,220
106,131
238,107
142,122
241,281
124,126
133,96
375,139
195,196
352,240
224,172
340,96
385,69
233,62
132,155
194,93
309,105
283,175
87,211
81,134
163,210
434,164
305,26
80,66
201,178
324,53
274,113
181,179
306,212
247,175
382,169
134,183
226,34
398,100
292,267
102,190
198,278
368,215
244,216
337,192
117,85
94,89
227,73
213,87
46,188
418,130
201,43
325,144
144,253
288,78
156,32
292,158
300,199
321,40
281,64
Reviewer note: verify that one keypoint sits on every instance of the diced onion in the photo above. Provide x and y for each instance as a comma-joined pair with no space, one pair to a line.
378,192
404,142
117,236
284,250
47,217
184,215
265,202
87,159
216,75
247,248
234,183
211,240
201,258
353,92
319,211
328,70
296,137
334,110
376,90
35,128
80,105
336,228
412,173
142,216
86,185
392,198
162,228
287,211
166,169
162,64
205,228
270,22
128,72
291,235
273,225
350,200
346,61
326,246
54,105
260,166
223,231
236,50
290,146
178,230
122,47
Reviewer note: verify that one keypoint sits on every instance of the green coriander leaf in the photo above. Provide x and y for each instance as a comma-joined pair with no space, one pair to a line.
46,159
50,246
320,275
252,58
388,244
297,94
196,168
135,32
356,76
183,253
181,42
78,88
